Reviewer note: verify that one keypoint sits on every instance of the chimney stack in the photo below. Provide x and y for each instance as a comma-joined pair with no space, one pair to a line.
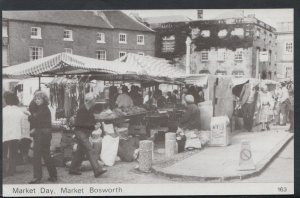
199,14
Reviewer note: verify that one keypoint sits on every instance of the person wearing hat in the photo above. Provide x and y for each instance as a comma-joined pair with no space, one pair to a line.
283,103
190,122
124,100
191,117
264,104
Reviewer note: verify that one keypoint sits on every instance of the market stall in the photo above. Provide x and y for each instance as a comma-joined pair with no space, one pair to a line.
217,94
74,76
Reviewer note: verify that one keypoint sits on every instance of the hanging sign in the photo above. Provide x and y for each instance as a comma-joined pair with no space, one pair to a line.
263,56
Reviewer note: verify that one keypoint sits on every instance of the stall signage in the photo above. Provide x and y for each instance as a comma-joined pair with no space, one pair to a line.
219,131
263,56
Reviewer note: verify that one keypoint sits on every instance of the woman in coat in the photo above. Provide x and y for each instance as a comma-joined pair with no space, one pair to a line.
265,105
40,121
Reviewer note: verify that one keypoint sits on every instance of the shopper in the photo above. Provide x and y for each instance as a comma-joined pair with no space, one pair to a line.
176,94
84,125
40,121
193,91
248,98
283,102
148,97
184,93
191,117
201,94
265,104
189,124
171,98
291,109
276,96
124,100
135,96
161,100
26,140
11,132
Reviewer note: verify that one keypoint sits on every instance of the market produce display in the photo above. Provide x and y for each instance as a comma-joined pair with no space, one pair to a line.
106,115
133,110
119,113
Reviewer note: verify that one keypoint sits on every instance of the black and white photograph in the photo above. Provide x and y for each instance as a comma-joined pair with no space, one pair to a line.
94,100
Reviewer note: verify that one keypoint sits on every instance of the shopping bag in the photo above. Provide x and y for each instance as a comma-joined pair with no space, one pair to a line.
109,150
192,140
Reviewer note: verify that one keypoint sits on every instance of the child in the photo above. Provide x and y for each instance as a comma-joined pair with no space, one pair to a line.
96,138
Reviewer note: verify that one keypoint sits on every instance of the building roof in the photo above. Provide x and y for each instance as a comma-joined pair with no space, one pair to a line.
231,14
120,20
166,19
104,19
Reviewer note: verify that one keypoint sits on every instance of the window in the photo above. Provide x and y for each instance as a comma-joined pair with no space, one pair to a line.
204,56
257,33
238,32
36,33
205,33
4,31
238,56
68,36
168,44
140,40
101,54
195,32
69,50
221,55
4,55
35,53
222,33
122,54
122,38
100,37
141,53
288,48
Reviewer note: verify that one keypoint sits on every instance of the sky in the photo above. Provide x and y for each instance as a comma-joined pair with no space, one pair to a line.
269,16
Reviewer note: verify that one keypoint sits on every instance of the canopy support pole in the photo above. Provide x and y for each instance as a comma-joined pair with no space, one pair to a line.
39,83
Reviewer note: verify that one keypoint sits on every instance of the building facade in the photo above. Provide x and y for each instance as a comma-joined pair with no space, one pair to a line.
240,46
105,35
285,50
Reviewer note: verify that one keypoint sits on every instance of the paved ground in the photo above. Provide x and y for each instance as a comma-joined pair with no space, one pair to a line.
280,170
222,162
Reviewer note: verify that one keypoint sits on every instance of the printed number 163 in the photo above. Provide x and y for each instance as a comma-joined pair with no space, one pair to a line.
282,189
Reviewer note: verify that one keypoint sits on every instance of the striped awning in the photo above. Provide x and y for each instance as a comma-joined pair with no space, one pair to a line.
151,65
64,63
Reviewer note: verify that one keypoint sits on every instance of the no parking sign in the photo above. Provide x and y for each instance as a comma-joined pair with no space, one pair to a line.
246,160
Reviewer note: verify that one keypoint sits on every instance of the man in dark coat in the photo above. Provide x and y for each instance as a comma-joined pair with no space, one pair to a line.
248,99
84,125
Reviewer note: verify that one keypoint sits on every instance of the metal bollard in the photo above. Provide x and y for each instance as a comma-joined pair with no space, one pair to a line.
170,144
145,156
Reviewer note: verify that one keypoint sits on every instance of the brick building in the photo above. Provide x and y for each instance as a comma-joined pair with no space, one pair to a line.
285,50
226,45
106,35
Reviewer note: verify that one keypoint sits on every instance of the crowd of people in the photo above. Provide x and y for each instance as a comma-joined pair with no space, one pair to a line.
15,132
257,102
20,126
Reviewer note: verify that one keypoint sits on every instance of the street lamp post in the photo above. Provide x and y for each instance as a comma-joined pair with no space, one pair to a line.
188,55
